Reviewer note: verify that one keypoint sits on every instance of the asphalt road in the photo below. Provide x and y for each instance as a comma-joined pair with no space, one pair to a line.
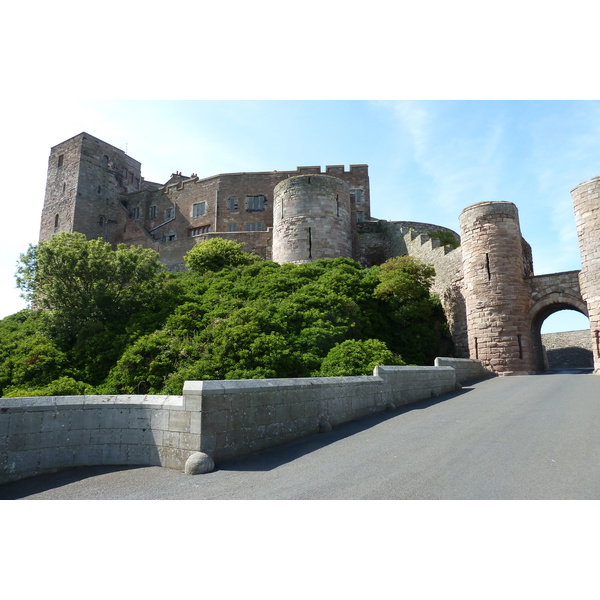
535,437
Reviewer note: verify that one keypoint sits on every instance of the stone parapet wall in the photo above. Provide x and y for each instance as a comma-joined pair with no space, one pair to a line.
240,417
466,369
40,435
224,419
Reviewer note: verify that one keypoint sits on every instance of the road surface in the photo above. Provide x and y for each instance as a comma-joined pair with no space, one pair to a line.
534,437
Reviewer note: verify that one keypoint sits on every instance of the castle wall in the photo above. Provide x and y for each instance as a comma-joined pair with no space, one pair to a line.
586,202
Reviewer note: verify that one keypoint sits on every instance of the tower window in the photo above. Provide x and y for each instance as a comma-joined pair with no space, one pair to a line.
255,203
61,160
64,186
105,160
152,213
99,188
356,196
56,221
199,209
101,220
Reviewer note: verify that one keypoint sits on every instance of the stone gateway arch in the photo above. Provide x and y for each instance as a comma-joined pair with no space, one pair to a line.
505,304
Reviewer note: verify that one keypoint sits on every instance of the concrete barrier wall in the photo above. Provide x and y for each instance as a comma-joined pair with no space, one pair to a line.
466,368
240,417
224,419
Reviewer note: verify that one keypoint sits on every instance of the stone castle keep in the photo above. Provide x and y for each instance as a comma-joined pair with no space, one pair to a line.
494,303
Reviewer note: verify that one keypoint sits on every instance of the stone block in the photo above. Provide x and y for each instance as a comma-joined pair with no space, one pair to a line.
179,420
27,422
114,454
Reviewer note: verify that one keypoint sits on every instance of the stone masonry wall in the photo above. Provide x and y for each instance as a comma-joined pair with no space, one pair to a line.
222,418
497,294
568,349
311,219
586,202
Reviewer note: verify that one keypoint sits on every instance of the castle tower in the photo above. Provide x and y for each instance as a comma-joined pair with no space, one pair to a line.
586,202
497,295
311,219
84,181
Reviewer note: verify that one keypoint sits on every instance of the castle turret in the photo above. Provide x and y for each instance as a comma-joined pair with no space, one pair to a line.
311,219
497,294
586,202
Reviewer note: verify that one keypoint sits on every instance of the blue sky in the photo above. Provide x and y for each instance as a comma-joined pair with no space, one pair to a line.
427,159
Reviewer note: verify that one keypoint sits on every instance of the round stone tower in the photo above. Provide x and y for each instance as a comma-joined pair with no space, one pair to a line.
586,202
311,219
497,294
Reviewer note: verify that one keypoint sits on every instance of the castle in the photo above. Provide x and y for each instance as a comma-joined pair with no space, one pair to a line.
494,304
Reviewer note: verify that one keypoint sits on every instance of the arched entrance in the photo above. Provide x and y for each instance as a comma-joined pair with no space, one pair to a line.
538,313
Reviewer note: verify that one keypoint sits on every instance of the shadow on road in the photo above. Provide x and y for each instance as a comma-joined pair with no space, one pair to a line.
48,481
271,458
265,460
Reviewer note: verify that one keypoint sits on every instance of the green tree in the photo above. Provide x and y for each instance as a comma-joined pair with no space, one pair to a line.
218,254
357,357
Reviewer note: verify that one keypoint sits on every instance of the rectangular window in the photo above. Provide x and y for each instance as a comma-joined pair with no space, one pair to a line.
360,216
232,228
152,213
61,160
137,183
169,213
125,173
199,210
255,203
135,213
253,226
232,204
356,196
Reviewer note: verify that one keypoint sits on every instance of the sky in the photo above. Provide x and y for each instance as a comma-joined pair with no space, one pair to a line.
428,160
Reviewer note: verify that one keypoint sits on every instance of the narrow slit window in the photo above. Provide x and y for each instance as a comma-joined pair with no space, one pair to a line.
487,265
310,242
476,350
520,346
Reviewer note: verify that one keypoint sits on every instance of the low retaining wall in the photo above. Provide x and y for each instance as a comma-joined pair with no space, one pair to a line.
466,369
223,419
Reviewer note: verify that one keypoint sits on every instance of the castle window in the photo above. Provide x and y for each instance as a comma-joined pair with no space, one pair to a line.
255,203
137,183
170,237
356,196
232,228
198,210
253,226
232,204
64,186
169,213
105,161
101,220
135,213
61,160
130,177
125,173
199,230
99,188
152,213
360,216
56,221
